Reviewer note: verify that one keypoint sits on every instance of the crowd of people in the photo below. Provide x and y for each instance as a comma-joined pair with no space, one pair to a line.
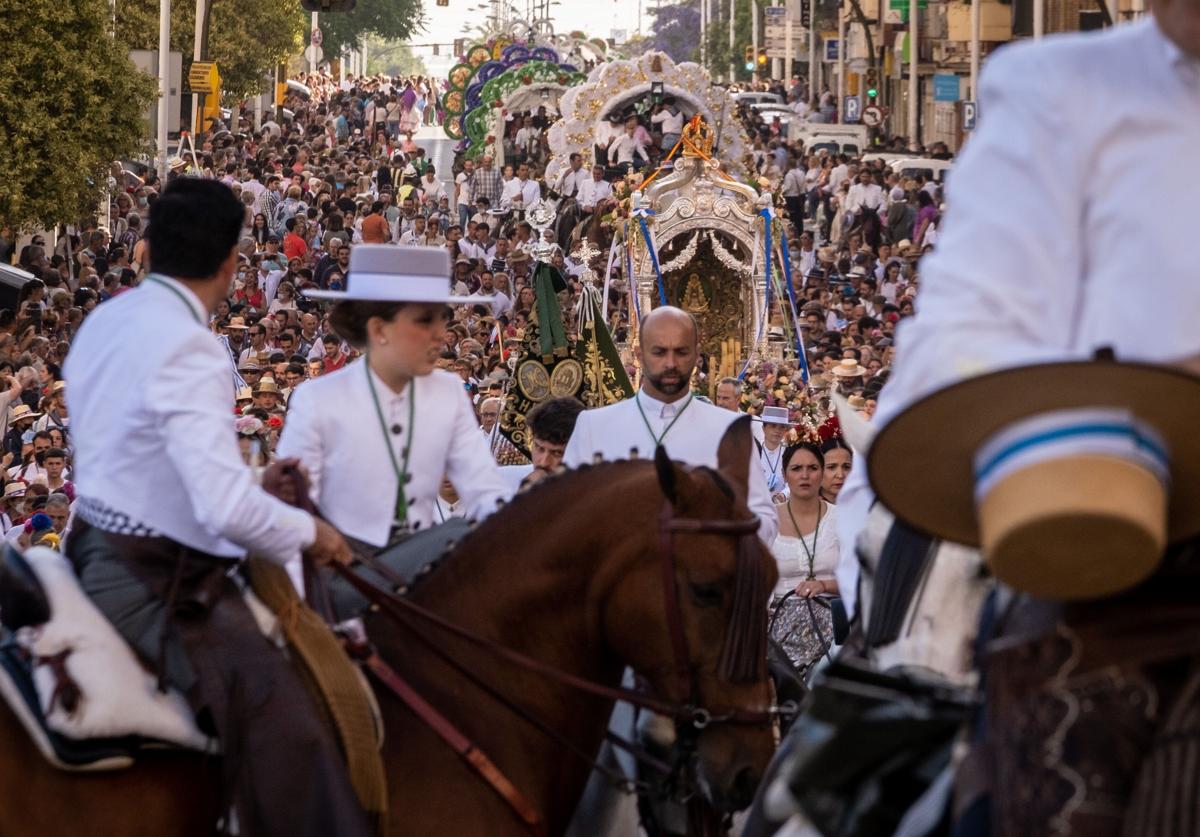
343,170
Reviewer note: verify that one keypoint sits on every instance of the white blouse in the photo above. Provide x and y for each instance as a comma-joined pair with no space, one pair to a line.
792,559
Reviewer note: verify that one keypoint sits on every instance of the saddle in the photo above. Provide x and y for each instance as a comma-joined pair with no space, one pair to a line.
76,686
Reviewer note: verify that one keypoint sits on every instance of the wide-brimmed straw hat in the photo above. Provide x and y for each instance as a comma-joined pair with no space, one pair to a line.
21,411
387,273
1072,476
848,367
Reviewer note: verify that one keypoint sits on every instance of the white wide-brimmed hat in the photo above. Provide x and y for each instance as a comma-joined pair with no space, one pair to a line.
775,415
387,273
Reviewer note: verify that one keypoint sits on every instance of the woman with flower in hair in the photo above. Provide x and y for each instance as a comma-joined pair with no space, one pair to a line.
806,553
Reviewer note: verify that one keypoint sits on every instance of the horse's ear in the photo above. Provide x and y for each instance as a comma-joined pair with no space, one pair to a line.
668,474
733,456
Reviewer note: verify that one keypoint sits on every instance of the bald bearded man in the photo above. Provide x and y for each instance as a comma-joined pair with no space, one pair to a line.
665,412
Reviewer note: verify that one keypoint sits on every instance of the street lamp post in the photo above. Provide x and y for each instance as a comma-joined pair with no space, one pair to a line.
841,62
164,82
976,14
1039,18
732,43
914,76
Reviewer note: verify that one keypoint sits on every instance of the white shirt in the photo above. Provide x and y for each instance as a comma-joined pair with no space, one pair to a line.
592,191
793,183
839,173
528,190
672,122
149,393
864,196
571,180
1044,252
463,181
791,556
476,250
771,462
624,148
433,191
614,430
333,428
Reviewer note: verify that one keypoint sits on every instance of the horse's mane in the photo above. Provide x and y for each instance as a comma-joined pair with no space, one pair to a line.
526,503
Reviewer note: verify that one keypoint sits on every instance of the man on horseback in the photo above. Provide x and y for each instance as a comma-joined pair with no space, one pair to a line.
1093,696
167,510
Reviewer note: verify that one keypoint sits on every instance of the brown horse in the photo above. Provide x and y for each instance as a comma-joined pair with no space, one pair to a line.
570,574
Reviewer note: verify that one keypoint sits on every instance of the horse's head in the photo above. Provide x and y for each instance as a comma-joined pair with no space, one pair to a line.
691,617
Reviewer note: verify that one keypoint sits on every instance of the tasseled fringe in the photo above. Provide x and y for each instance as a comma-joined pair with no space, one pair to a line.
744,657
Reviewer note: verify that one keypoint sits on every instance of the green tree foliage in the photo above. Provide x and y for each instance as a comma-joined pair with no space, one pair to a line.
394,59
71,101
246,37
389,20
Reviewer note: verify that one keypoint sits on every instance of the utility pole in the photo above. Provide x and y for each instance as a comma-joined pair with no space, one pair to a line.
1039,18
841,62
312,65
813,92
914,76
789,51
164,82
198,55
976,14
754,35
703,33
732,44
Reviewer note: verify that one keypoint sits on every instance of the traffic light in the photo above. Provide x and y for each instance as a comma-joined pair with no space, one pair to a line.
872,83
806,13
327,5
762,58
748,57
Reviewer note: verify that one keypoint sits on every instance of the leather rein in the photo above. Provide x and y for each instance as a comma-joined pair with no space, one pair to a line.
689,715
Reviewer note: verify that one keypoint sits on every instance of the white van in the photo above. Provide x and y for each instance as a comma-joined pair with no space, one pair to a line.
836,139
935,170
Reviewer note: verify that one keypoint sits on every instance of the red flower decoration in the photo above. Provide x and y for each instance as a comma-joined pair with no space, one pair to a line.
275,422
831,428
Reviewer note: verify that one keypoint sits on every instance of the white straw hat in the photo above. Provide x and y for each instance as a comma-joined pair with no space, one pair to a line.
387,273
775,415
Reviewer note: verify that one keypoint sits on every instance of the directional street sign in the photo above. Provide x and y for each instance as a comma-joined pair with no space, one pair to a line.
203,78
872,116
970,114
852,109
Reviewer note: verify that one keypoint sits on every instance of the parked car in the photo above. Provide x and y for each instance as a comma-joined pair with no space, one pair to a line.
841,139
751,98
12,279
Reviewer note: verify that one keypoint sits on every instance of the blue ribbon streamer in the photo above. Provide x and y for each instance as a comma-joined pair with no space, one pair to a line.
786,258
641,219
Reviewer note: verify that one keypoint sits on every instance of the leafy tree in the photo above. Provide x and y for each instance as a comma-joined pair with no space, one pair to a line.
389,20
246,37
676,30
72,103
393,59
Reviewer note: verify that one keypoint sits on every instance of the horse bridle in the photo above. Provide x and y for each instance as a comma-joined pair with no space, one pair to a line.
688,713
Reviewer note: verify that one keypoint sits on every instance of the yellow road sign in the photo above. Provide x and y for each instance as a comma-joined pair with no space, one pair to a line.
203,77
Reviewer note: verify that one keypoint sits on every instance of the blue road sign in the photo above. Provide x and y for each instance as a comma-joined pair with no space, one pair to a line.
945,87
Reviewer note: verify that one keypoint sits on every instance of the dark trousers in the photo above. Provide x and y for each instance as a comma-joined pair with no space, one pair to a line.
282,766
795,210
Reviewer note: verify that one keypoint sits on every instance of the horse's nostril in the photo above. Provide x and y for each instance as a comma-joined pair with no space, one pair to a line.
741,793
